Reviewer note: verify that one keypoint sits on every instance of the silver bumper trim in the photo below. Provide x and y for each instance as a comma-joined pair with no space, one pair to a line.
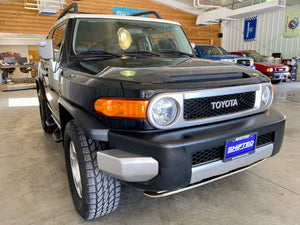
208,173
167,193
127,166
219,167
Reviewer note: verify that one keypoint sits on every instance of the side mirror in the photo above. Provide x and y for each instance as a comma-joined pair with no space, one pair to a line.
193,45
46,49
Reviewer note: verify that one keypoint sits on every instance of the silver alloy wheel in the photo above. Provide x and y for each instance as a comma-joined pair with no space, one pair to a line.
75,169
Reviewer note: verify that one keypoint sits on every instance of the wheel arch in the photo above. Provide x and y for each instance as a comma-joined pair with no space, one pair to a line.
37,85
65,117
40,87
92,127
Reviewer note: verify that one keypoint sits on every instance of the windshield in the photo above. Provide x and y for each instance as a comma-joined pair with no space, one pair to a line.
212,50
115,37
256,57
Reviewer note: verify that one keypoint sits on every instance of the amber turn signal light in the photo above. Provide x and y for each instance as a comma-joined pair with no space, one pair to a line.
124,108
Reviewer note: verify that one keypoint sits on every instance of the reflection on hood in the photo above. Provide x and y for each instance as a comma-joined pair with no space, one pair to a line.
159,70
96,66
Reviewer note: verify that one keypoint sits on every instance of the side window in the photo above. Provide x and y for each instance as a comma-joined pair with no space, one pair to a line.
57,41
215,51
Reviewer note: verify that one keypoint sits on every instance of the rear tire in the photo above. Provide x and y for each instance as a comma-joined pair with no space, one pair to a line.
94,193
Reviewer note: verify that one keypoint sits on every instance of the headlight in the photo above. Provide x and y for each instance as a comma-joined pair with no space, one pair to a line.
163,111
270,70
251,62
266,96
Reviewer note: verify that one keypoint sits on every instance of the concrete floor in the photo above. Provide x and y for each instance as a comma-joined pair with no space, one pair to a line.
34,188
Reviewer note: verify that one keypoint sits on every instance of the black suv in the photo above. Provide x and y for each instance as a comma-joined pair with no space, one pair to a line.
132,105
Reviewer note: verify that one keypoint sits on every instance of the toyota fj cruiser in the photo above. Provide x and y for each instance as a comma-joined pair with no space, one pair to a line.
132,105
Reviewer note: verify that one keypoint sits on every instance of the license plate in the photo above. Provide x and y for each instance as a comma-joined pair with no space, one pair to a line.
240,147
281,76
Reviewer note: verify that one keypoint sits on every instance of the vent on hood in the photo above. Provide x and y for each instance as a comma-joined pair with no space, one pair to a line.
209,77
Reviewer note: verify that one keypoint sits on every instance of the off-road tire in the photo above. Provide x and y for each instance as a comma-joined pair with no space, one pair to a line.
45,114
100,192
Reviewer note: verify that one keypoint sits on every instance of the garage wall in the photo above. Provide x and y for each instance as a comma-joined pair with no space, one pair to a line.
269,35
22,49
16,19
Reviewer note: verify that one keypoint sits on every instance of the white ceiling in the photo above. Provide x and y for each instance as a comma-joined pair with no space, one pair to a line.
188,5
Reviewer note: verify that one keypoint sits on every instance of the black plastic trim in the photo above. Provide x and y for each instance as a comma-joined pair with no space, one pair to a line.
68,10
90,125
173,149
147,13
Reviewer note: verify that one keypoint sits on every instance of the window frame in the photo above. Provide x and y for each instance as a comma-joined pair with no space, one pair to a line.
57,53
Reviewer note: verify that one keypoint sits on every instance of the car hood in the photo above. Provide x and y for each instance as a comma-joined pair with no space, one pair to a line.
269,64
219,57
157,70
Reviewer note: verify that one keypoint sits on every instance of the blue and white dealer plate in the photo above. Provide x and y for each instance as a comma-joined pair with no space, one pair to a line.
240,147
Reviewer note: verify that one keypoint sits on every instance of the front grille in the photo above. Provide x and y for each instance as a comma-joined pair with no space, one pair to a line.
265,139
280,69
217,153
244,62
208,155
199,108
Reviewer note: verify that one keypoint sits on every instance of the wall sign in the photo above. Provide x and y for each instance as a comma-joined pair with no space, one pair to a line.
291,23
126,11
250,28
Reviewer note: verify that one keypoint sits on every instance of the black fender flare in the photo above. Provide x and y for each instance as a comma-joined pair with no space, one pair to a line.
88,123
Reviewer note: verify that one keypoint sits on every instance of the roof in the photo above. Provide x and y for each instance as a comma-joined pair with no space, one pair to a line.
105,16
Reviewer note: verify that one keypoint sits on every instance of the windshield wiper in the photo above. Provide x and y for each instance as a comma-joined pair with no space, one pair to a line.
143,52
177,52
99,53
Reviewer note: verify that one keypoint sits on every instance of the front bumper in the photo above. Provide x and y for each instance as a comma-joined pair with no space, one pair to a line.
278,75
173,151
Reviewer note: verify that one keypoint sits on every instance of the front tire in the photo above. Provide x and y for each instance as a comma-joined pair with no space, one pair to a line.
94,193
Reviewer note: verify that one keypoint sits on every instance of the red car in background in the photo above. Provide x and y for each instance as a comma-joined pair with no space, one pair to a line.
276,72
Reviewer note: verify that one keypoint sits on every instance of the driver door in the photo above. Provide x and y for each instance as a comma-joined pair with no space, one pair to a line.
54,70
